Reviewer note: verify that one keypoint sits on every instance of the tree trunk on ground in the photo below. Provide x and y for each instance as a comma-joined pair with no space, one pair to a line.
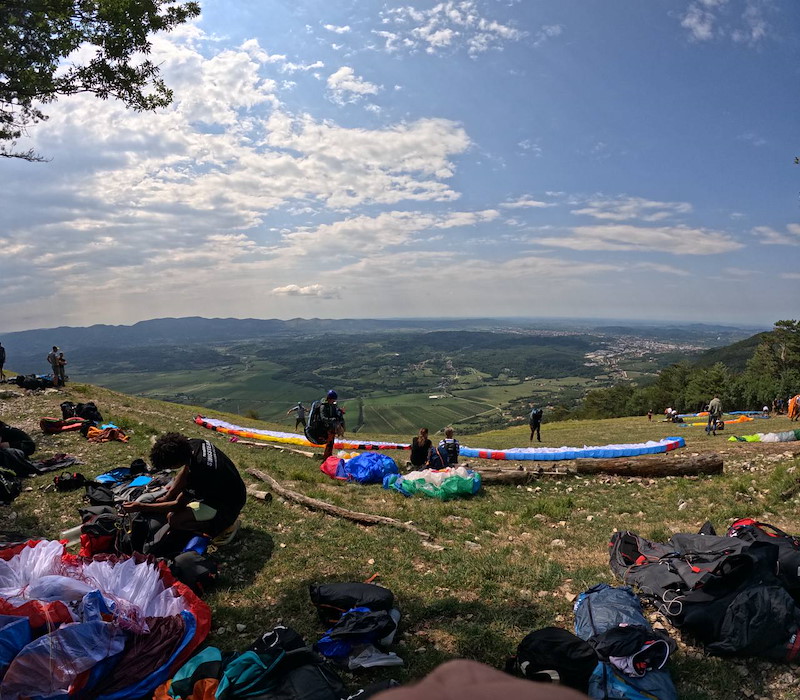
316,504
653,465
647,466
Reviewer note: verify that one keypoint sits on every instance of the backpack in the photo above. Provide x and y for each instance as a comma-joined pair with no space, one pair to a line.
316,431
100,528
750,530
10,486
69,482
452,448
554,655
67,409
89,412
438,458
197,571
332,600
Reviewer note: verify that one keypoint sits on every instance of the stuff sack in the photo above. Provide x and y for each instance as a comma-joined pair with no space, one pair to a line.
632,654
554,655
53,426
332,600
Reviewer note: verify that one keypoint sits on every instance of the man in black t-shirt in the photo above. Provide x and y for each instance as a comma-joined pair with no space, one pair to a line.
208,493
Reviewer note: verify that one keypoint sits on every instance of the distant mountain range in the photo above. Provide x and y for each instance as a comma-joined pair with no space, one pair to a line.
27,349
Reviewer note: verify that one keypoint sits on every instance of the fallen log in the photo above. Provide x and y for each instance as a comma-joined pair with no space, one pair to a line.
653,465
492,477
646,466
316,504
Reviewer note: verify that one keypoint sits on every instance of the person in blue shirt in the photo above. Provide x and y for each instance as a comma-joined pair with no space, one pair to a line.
535,421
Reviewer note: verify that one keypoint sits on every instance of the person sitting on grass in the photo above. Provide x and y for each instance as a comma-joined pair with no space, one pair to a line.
420,449
451,446
208,493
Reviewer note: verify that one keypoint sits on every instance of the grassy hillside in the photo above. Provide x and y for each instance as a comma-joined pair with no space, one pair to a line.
734,356
496,567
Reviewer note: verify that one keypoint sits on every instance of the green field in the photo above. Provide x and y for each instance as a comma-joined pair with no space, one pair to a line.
250,388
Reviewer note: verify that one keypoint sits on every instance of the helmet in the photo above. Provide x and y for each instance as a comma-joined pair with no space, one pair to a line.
332,395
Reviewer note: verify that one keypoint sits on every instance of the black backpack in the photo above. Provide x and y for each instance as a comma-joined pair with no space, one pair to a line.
554,655
332,600
89,412
316,431
197,571
10,486
69,482
67,409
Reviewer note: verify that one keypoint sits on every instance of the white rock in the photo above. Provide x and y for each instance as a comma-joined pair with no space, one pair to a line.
240,627
558,543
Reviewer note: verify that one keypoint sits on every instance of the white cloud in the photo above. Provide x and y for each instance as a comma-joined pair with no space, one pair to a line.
742,21
526,202
663,269
547,32
290,67
311,290
678,240
790,275
769,236
449,25
699,22
345,86
626,208
367,235
532,147
337,30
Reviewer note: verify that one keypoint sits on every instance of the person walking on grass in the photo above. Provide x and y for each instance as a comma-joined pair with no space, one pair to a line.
535,422
714,415
300,414
2,361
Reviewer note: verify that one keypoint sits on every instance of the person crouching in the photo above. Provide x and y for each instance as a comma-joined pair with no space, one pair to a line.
208,493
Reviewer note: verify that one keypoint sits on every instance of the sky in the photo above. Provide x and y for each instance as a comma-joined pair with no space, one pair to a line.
466,158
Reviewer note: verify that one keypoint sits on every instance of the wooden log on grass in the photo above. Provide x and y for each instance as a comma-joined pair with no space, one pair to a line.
329,508
645,466
653,465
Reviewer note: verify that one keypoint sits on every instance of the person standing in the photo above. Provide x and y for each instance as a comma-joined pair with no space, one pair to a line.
714,415
535,421
650,416
333,419
62,369
300,414
2,361
52,359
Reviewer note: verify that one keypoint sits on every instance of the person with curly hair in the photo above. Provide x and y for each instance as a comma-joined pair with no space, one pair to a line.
208,493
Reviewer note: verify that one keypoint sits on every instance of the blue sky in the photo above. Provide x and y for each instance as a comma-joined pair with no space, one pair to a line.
570,158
